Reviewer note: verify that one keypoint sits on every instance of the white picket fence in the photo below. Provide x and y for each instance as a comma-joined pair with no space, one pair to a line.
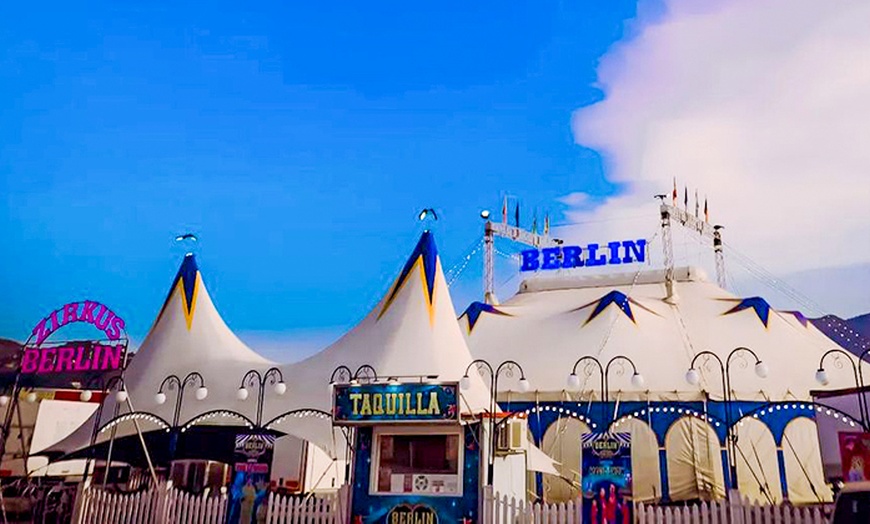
733,512
326,508
166,505
501,509
498,509
162,504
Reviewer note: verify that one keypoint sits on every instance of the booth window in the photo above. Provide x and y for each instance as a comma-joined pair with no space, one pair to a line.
404,458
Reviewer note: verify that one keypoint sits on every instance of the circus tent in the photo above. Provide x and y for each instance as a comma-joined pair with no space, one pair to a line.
187,336
412,332
552,322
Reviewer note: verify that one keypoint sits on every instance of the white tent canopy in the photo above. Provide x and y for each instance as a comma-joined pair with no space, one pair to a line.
552,322
412,331
188,335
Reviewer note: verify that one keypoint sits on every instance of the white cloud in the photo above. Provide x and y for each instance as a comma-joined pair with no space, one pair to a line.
764,105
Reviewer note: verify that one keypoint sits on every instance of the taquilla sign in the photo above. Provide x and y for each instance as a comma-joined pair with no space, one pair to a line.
393,403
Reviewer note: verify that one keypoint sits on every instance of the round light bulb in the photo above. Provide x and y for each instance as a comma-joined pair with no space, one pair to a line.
31,397
822,377
524,385
465,383
761,369
242,394
86,395
693,377
637,380
280,388
573,381
121,396
4,400
160,398
201,393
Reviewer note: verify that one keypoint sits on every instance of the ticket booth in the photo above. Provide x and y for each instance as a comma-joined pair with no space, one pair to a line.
414,461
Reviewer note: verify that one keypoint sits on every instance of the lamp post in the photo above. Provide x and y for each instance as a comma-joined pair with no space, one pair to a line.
105,386
254,378
172,382
822,376
508,368
603,375
693,377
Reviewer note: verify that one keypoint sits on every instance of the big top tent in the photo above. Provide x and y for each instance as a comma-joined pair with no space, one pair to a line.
677,426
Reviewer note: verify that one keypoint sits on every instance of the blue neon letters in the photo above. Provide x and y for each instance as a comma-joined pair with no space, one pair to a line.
548,258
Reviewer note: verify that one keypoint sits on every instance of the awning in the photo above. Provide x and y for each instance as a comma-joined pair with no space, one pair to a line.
537,460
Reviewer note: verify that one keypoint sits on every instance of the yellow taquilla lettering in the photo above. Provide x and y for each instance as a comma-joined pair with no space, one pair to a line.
401,404
434,407
355,397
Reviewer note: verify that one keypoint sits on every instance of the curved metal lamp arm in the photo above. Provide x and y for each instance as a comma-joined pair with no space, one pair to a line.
840,352
507,366
738,350
170,382
588,358
252,378
191,378
341,373
618,358
708,354
273,376
480,363
367,369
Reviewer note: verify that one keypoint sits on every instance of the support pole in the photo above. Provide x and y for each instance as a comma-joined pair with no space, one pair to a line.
720,256
488,265
668,247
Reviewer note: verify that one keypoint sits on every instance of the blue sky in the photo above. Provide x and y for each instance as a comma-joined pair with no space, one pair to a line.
298,143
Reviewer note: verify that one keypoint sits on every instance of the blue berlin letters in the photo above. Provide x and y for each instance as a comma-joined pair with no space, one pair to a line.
548,258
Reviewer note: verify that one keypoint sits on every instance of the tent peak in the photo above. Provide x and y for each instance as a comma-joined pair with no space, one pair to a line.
425,254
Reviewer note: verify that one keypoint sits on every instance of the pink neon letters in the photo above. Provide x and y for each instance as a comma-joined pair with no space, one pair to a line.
88,311
78,357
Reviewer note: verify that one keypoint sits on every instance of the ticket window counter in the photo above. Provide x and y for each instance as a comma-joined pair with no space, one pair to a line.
421,467
417,460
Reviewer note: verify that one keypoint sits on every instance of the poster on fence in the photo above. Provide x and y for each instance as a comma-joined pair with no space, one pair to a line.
249,489
855,455
606,478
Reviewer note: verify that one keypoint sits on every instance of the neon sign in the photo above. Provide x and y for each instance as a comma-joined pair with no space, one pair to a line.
76,356
103,319
72,356
567,257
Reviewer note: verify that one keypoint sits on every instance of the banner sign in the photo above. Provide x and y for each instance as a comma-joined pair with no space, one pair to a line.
250,485
567,257
395,403
855,455
606,474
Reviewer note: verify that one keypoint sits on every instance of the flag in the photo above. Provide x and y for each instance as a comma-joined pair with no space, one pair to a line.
504,211
547,225
706,213
517,215
697,203
674,198
686,199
